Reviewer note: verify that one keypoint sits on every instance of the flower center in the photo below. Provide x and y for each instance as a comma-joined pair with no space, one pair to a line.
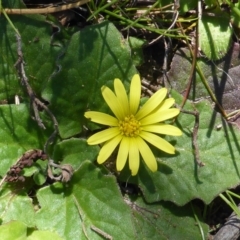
129,127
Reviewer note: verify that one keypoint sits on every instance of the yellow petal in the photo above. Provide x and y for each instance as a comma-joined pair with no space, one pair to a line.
158,142
103,136
101,118
108,148
112,102
167,103
121,95
152,103
163,129
147,155
133,156
160,116
135,94
122,153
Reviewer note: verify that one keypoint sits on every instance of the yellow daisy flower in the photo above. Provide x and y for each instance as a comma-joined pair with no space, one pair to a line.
132,127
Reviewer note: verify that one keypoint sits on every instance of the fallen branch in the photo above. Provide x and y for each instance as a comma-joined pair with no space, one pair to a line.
44,10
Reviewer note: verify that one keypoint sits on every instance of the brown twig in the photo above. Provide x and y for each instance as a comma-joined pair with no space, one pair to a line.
194,136
36,103
45,10
101,232
174,20
66,171
193,68
24,80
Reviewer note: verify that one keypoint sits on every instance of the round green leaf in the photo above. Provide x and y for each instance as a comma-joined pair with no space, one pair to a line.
179,179
215,36
94,57
14,230
46,235
74,151
17,207
89,204
18,134
164,220
39,54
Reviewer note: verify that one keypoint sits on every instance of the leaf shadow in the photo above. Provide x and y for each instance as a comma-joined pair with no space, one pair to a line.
219,85
9,124
229,130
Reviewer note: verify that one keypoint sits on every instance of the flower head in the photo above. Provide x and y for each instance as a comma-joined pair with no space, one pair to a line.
132,127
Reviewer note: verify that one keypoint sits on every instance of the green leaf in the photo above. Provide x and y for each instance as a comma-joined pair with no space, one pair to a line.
38,170
235,14
18,134
179,179
92,207
40,176
136,45
17,207
90,204
14,230
38,166
46,235
215,35
222,77
186,6
211,3
74,152
39,54
165,220
12,4
94,57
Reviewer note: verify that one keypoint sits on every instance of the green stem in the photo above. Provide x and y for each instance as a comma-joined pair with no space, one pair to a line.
8,19
198,222
210,92
127,21
101,9
233,194
233,7
145,13
231,203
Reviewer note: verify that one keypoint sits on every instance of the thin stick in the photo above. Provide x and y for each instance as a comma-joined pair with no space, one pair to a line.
194,136
80,215
24,81
8,19
101,232
3,180
35,102
45,10
194,62
174,20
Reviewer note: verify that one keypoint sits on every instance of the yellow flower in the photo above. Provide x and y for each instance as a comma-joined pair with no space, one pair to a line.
131,126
